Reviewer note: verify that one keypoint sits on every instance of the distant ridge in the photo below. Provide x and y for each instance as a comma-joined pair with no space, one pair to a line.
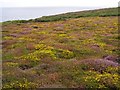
87,13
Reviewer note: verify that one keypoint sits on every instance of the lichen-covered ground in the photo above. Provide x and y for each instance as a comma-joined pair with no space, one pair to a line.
75,53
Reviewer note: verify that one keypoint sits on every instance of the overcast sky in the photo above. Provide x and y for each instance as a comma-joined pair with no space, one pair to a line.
39,3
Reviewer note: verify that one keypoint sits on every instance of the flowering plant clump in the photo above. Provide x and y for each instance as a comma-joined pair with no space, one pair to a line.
26,39
24,84
12,64
42,51
64,54
109,80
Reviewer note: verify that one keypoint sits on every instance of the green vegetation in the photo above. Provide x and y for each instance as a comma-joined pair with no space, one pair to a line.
90,13
80,52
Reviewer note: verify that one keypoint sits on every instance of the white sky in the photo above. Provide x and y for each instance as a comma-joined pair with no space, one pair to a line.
41,3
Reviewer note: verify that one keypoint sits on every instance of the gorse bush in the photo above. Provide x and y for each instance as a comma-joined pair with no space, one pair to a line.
64,54
21,85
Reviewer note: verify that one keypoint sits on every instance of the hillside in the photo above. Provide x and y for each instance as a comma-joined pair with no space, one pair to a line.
88,13
77,52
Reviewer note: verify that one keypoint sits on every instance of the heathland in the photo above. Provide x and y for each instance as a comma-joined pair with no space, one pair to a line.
71,50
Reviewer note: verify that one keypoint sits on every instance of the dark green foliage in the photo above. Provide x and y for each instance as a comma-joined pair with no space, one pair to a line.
16,21
49,19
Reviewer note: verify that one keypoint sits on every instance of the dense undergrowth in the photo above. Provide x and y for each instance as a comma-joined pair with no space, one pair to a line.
75,53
